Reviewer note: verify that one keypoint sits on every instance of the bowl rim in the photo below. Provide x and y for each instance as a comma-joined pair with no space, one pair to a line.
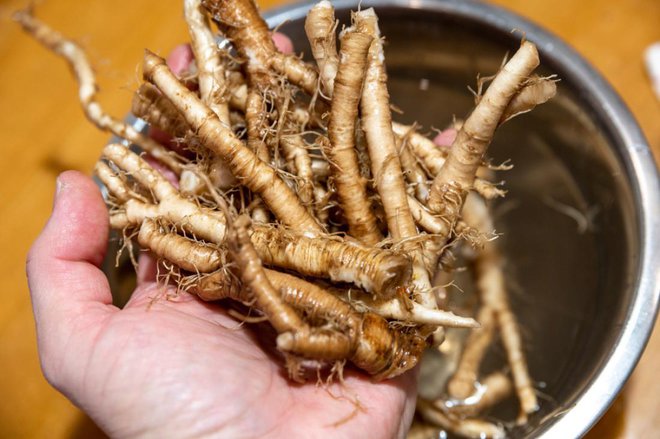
642,173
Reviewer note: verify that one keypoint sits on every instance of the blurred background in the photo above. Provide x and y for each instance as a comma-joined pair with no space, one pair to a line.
44,133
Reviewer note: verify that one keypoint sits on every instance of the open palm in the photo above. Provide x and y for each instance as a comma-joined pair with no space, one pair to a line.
176,367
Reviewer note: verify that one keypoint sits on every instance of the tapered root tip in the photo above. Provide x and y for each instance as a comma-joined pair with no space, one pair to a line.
467,322
533,51
150,63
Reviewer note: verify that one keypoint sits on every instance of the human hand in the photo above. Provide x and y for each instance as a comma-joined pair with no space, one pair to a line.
177,367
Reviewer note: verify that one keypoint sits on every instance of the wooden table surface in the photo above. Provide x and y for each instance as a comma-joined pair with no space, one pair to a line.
44,132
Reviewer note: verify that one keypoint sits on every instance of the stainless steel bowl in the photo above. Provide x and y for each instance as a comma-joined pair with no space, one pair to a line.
581,220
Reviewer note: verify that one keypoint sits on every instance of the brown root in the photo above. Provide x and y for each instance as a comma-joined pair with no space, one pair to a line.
469,428
320,27
378,271
187,254
491,283
466,154
463,383
351,187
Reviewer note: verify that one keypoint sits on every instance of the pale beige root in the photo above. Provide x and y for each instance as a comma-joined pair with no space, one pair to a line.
487,190
296,71
211,80
416,313
512,341
88,88
413,171
463,383
383,155
534,92
256,120
425,219
250,171
203,223
350,185
316,304
431,155
433,158
149,104
116,186
377,125
320,27
469,428
491,390
186,253
218,173
210,69
256,117
378,271
299,163
492,284
457,175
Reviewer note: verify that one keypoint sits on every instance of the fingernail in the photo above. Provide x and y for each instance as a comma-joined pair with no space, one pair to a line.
59,188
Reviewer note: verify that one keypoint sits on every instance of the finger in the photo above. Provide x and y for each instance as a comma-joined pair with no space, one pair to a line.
147,269
180,58
446,137
65,281
282,42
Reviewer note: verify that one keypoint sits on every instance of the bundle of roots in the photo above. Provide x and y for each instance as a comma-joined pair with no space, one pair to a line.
297,196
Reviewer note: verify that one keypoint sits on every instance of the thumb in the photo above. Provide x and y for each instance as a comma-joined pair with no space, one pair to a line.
69,292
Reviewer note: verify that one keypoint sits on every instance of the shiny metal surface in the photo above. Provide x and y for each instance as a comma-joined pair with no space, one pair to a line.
581,220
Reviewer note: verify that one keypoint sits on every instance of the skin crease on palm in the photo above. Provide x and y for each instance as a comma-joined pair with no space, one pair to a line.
177,367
